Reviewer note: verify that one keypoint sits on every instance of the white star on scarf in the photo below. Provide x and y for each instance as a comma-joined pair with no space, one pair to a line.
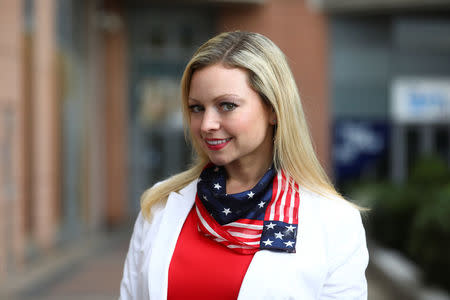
268,242
271,225
279,235
261,204
204,197
226,211
289,243
217,186
290,228
250,195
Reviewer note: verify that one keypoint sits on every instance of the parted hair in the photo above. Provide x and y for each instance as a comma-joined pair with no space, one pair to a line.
270,76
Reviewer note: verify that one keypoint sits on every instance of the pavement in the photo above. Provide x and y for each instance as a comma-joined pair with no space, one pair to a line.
90,269
95,271
96,278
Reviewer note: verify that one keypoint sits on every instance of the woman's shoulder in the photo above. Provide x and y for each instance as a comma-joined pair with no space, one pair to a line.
158,208
338,223
333,211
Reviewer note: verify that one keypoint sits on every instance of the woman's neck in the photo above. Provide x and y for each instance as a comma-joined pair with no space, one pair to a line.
242,178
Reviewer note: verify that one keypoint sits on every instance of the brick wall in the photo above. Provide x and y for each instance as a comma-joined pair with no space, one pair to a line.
11,144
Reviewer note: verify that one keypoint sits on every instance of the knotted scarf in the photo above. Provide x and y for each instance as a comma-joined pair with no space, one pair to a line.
264,217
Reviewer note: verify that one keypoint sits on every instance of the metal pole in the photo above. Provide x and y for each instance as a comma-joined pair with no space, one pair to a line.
398,153
426,141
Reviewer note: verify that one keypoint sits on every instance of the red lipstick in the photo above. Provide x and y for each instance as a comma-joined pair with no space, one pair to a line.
216,144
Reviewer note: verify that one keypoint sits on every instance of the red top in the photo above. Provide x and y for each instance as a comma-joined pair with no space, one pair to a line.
204,269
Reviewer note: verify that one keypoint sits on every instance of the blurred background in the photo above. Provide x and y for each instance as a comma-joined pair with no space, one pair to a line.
89,119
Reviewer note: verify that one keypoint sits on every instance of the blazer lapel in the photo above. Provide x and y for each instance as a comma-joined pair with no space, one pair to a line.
177,208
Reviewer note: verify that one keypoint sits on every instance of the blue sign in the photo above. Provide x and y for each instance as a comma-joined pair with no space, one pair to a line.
359,148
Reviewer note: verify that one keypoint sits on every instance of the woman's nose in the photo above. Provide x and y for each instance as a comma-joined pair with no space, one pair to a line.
210,121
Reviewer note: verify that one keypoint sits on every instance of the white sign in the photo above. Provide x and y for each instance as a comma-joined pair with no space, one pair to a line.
421,100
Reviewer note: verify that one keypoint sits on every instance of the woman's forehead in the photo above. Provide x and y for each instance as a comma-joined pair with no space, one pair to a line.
216,80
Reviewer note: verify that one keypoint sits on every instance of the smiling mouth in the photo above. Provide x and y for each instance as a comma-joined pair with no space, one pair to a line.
217,142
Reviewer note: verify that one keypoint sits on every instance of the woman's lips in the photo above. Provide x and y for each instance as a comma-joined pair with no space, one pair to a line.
216,144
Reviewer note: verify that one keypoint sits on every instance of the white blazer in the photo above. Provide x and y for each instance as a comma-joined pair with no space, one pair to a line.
330,261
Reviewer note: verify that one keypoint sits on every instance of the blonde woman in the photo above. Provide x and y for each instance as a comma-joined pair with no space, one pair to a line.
256,216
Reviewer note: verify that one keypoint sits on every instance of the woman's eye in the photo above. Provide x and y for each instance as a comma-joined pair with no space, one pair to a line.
195,108
228,106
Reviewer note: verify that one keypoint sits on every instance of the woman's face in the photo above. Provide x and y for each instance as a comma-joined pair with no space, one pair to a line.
228,118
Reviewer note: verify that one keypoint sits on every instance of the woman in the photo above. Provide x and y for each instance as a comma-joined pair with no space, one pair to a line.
256,216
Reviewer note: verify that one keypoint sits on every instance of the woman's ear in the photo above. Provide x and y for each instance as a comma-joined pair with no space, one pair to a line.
272,117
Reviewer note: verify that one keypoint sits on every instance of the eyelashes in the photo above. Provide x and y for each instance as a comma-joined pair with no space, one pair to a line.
225,106
228,106
195,108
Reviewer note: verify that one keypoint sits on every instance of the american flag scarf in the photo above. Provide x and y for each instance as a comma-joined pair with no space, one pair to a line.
263,218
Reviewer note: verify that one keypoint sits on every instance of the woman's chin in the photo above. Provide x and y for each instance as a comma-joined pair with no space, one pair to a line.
218,161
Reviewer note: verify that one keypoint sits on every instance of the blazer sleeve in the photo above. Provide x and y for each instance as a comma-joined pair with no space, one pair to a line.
129,286
348,258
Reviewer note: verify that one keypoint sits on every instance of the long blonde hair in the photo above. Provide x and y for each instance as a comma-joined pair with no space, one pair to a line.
270,76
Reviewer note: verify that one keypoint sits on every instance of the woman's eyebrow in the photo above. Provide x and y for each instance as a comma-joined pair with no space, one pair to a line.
193,99
234,96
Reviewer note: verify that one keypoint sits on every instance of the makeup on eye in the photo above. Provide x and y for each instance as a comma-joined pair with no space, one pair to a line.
228,106
225,106
195,108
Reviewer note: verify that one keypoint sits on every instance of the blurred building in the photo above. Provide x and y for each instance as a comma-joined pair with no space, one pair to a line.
389,85
62,149
89,106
